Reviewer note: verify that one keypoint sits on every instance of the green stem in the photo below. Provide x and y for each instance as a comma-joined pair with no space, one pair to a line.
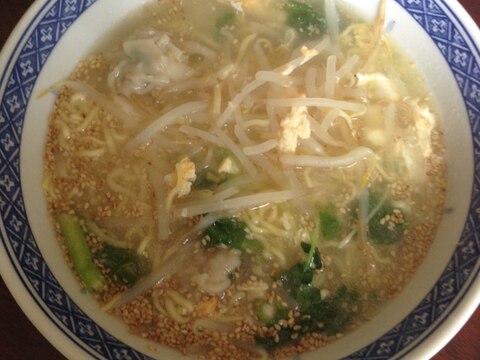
314,234
80,254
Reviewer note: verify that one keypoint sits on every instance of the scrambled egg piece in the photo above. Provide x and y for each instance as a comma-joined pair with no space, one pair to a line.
378,86
295,125
418,144
308,53
181,180
184,176
228,166
424,126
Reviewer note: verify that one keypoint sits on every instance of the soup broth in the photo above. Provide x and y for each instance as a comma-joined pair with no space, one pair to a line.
245,179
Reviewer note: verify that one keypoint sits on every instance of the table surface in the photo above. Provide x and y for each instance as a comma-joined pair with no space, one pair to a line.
20,340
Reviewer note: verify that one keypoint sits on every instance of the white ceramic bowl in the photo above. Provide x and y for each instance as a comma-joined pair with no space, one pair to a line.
55,34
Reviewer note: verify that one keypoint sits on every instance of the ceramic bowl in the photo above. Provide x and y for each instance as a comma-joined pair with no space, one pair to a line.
55,34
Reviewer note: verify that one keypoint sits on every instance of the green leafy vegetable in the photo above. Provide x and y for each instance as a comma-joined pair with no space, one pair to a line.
228,18
308,297
301,274
206,178
252,245
382,231
329,225
339,309
305,19
228,231
387,224
315,261
269,343
209,176
313,256
330,314
296,276
126,266
80,254
335,311
232,233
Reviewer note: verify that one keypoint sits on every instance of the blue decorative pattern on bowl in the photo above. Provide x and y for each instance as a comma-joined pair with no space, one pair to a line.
23,68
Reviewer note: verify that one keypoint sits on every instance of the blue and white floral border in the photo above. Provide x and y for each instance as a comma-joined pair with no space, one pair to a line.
23,67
